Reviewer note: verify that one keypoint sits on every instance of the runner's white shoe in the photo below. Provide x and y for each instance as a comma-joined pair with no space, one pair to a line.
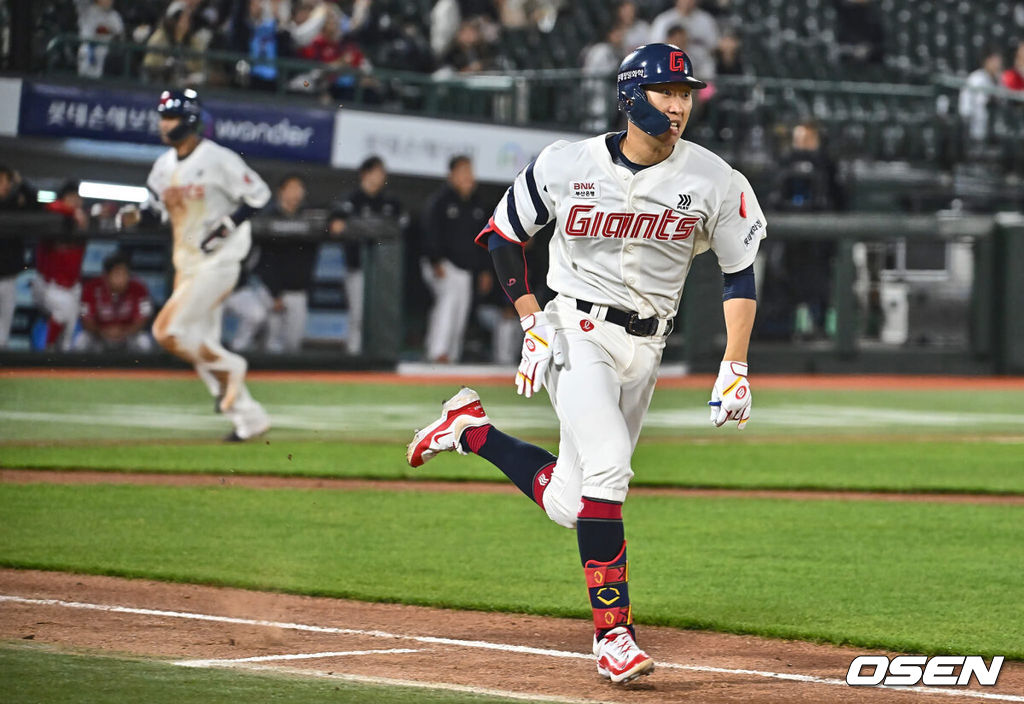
459,413
619,658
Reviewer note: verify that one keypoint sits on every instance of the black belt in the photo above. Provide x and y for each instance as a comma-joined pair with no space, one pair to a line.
634,324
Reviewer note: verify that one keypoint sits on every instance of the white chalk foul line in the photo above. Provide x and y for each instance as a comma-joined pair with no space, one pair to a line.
292,656
419,684
486,645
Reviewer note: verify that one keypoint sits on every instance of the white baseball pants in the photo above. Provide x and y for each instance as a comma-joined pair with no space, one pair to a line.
61,304
355,295
189,325
601,396
287,328
453,297
251,306
8,302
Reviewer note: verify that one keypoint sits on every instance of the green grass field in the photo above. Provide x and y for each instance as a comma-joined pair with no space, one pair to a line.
41,676
930,577
907,576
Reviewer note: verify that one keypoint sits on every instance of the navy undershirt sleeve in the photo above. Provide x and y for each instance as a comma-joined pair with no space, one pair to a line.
739,284
243,213
509,266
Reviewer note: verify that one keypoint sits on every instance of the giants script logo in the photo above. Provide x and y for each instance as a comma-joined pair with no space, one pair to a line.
666,226
676,62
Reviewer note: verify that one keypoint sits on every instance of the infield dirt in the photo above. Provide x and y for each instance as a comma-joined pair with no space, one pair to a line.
168,636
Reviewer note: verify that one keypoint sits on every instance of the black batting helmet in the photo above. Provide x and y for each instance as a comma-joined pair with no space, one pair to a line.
184,104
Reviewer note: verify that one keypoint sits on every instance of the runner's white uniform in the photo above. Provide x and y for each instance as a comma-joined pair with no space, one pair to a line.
627,241
196,194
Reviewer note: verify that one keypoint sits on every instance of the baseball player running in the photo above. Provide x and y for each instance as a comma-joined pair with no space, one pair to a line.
632,210
208,193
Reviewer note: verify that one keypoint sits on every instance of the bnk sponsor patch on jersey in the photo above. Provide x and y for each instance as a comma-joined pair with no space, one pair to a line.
585,189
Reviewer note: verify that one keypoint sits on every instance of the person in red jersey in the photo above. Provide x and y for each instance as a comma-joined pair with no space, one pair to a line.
57,287
115,310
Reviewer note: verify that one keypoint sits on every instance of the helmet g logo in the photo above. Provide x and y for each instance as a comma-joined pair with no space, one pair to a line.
676,62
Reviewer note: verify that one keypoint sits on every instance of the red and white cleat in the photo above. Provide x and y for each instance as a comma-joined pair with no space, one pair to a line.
460,412
619,658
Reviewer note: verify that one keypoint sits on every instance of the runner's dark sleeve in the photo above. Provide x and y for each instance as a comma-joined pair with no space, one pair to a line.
509,265
739,284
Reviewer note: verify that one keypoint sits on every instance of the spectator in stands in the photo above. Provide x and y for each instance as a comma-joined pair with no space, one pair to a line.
453,218
860,30
181,28
448,16
254,30
407,49
1013,77
98,23
728,61
15,195
469,53
445,18
519,14
115,310
367,201
676,36
306,22
799,274
975,95
701,30
56,288
343,57
600,61
285,267
635,31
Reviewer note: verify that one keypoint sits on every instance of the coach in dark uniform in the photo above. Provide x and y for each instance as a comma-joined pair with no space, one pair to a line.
453,217
368,200
286,268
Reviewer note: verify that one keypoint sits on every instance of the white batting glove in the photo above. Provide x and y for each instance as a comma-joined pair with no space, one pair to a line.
730,397
127,216
217,231
540,346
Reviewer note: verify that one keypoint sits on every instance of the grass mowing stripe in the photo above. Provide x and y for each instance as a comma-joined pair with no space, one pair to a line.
40,675
969,467
40,409
911,577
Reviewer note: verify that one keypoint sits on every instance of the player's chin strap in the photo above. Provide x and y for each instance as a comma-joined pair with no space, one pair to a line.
645,116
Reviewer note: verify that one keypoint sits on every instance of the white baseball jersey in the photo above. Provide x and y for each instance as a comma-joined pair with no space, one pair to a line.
627,240
212,183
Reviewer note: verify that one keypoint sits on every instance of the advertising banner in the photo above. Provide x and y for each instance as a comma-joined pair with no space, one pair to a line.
252,129
421,146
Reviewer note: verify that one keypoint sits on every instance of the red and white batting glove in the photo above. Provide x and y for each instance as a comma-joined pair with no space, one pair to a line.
539,348
730,397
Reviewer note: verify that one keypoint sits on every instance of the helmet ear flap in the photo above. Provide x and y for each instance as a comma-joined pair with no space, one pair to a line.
644,115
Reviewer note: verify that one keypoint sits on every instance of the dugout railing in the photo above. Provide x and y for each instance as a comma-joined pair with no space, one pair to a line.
991,341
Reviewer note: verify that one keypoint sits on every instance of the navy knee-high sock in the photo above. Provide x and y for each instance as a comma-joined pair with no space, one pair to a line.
528,466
